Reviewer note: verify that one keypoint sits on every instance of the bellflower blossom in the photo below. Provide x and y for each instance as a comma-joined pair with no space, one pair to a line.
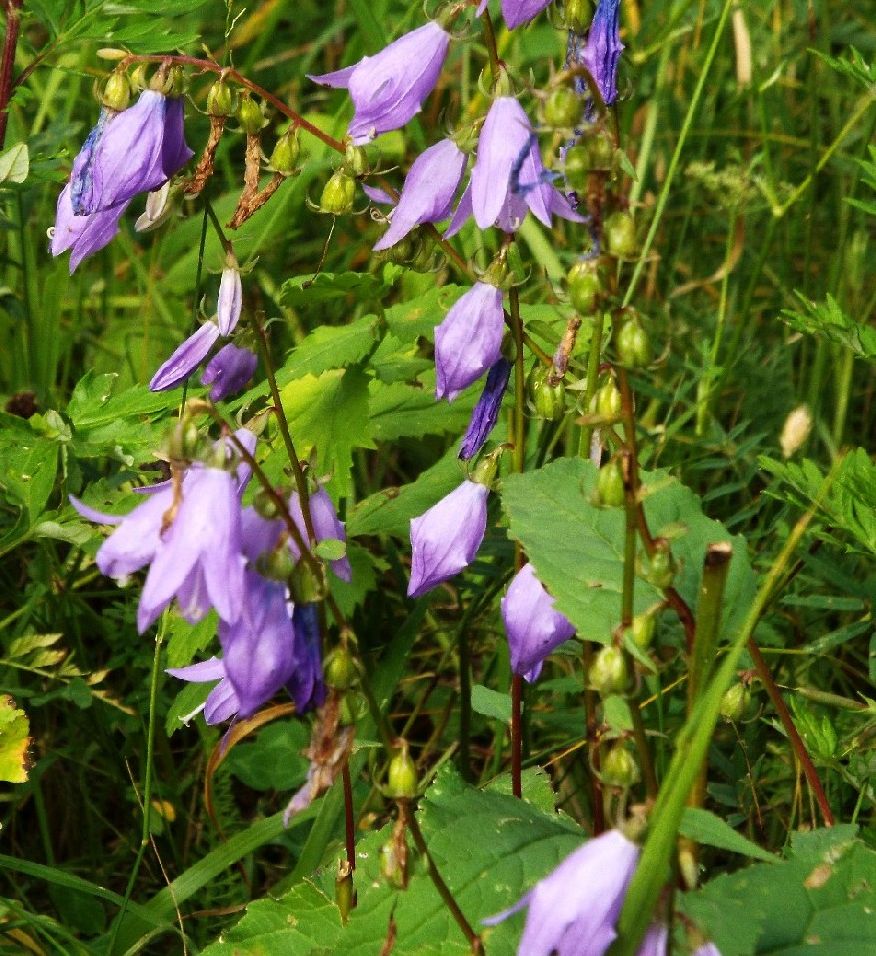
305,684
508,177
230,300
534,628
603,49
427,195
516,12
82,235
388,88
574,909
185,359
260,646
469,340
222,702
136,151
229,371
445,539
486,413
654,943
326,526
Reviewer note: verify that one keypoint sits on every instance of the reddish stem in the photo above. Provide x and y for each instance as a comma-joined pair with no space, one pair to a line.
13,25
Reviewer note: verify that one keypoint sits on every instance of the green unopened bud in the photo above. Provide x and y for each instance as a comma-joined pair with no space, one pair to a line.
221,99
338,194
265,505
177,81
423,258
619,235
548,400
393,863
353,707
633,347
250,116
735,702
659,569
284,158
607,400
116,92
619,767
576,167
578,14
278,564
345,891
402,780
340,669
643,630
600,151
356,160
305,585
563,108
608,671
584,285
183,441
484,472
140,76
610,485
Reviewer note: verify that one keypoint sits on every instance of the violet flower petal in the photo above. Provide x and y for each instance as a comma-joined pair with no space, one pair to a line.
187,357
603,49
229,371
83,235
502,145
486,412
306,685
462,215
516,12
445,539
654,943
230,300
469,339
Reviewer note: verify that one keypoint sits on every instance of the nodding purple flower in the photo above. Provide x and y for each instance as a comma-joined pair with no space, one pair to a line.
131,152
486,412
508,177
259,648
305,684
326,526
187,357
427,195
229,371
192,544
469,340
445,539
230,300
222,702
388,88
516,12
575,908
534,628
603,48
82,235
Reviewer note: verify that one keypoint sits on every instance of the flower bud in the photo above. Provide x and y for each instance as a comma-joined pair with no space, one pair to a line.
304,584
610,485
265,505
177,81
643,630
160,205
221,99
250,116
633,347
356,161
548,400
338,194
284,158
116,92
607,400
795,431
576,167
608,671
735,702
659,569
277,565
584,285
563,108
393,864
600,152
578,14
345,891
484,472
340,669
353,707
139,74
402,778
183,441
619,767
619,235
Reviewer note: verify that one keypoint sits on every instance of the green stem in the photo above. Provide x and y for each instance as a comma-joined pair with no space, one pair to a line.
593,356
464,701
490,41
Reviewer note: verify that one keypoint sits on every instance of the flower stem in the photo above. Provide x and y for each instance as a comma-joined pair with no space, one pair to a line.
490,42
349,816
593,356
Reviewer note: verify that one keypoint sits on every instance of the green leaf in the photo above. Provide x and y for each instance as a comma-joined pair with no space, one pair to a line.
535,787
14,742
491,703
186,640
329,413
272,760
710,830
330,346
331,549
328,287
400,410
828,321
577,547
14,164
418,317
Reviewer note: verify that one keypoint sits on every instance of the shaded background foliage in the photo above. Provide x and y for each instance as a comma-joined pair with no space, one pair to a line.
738,305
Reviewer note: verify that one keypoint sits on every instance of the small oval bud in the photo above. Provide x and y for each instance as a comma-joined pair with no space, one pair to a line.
340,669
600,152
619,235
576,167
795,431
610,485
250,116
633,347
356,161
392,868
608,671
659,569
402,780
578,14
563,108
139,76
177,81
548,400
607,400
265,505
619,767
353,707
221,99
584,285
278,565
484,472
284,158
116,92
735,702
304,584
643,630
338,194
183,442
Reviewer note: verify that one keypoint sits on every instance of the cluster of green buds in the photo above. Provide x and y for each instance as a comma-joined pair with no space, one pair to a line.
631,340
547,396
594,154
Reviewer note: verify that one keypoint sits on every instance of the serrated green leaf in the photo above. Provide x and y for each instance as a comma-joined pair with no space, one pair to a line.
401,410
14,742
418,317
328,287
710,830
330,347
827,320
186,641
491,703
14,164
577,547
